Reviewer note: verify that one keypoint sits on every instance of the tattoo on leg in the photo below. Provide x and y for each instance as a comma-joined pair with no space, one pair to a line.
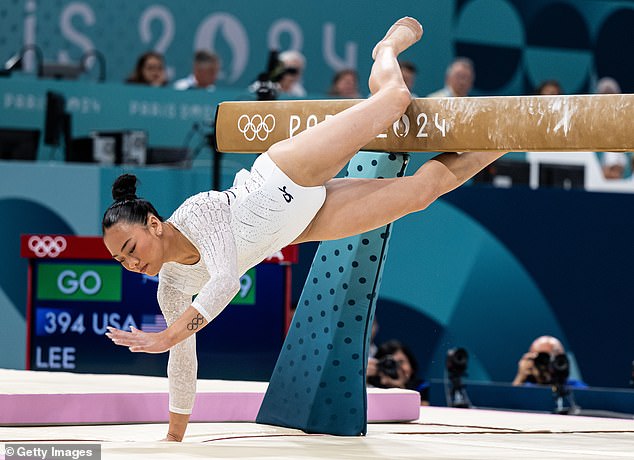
197,321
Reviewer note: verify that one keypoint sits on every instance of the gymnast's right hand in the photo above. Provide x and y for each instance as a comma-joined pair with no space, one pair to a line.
171,438
178,425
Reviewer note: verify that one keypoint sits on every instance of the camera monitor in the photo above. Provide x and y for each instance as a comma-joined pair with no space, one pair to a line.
505,173
19,144
562,176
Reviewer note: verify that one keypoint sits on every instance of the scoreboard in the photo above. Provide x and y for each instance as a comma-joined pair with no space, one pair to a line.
76,290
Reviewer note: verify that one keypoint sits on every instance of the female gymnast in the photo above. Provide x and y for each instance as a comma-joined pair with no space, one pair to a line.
289,196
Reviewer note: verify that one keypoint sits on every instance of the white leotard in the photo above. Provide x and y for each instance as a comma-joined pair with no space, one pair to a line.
233,231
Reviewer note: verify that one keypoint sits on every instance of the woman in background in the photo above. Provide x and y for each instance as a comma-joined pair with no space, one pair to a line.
149,70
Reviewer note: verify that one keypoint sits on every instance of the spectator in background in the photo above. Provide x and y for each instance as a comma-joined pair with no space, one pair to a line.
394,366
149,70
549,88
204,72
531,369
613,165
608,85
290,81
409,71
345,84
459,79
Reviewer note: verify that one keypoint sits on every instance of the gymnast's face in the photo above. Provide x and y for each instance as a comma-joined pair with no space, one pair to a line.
137,247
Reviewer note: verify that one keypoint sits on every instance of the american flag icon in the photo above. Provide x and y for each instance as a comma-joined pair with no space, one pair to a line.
153,323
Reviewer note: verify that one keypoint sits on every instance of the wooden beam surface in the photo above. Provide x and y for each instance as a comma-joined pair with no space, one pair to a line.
507,123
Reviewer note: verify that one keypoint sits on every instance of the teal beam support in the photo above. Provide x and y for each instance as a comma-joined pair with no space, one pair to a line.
318,384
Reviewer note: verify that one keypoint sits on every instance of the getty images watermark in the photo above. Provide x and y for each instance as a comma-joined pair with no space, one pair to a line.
53,451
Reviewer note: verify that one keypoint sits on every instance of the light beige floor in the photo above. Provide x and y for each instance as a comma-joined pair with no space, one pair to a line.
439,433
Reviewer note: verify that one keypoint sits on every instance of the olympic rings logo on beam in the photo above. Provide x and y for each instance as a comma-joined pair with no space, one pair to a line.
256,126
47,246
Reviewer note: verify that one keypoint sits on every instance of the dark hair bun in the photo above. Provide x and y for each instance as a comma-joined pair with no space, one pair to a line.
124,188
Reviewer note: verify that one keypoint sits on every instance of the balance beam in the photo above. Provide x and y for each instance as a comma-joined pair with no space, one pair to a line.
505,123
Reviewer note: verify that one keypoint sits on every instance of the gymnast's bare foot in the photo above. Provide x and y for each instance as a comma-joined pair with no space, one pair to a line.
403,34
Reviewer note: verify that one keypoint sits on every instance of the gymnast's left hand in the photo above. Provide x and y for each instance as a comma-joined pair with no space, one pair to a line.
138,341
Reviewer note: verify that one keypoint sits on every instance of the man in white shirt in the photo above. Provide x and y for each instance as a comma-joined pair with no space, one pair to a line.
459,79
204,73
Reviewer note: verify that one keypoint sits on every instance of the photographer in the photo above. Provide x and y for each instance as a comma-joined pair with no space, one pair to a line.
294,63
282,77
544,364
394,366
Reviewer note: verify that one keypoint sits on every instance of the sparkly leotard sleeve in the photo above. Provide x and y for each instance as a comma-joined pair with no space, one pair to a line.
233,231
205,220
182,366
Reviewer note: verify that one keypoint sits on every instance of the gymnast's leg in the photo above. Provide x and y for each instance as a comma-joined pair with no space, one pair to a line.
316,155
355,206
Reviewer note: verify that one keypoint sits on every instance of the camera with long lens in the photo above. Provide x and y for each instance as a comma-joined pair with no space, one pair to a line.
560,368
266,86
457,360
388,366
553,369
456,365
542,362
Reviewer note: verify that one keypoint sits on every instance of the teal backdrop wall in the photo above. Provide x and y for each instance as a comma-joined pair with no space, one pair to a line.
515,43
450,255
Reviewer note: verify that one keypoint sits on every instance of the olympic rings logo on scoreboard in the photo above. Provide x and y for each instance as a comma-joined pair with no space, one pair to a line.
256,126
47,246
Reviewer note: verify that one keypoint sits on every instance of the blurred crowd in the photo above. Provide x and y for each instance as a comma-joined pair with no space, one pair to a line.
284,79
